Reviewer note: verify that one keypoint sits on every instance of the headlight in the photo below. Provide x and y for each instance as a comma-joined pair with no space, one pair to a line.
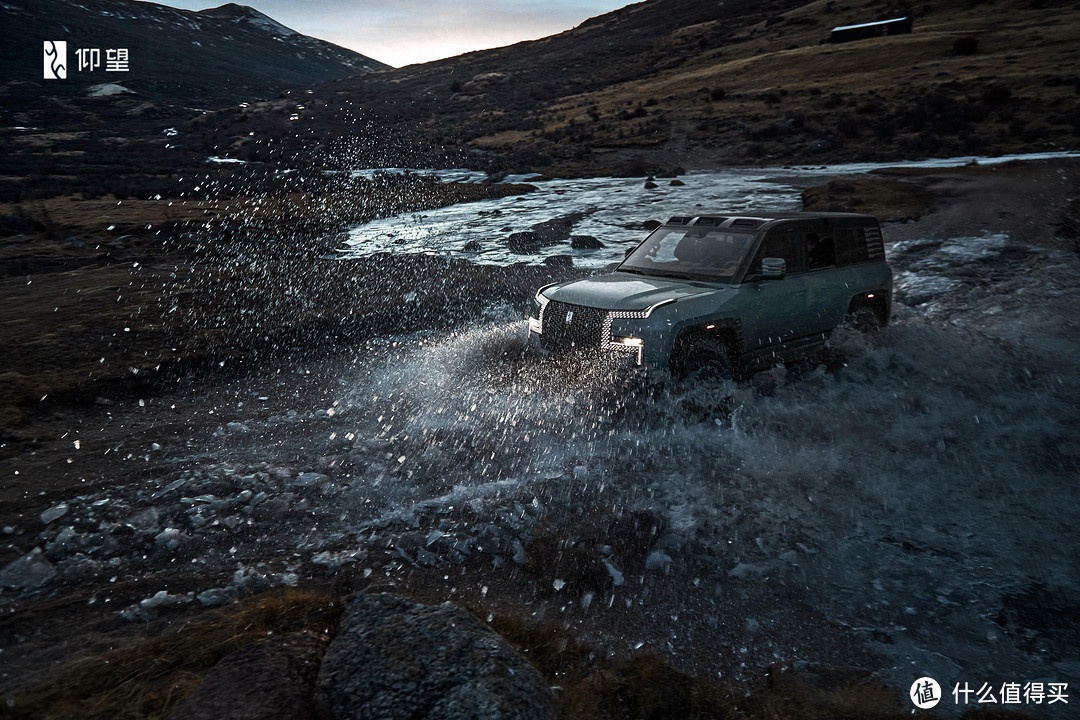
539,302
536,316
627,341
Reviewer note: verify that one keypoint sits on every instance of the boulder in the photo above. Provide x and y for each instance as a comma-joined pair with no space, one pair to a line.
393,658
585,242
524,242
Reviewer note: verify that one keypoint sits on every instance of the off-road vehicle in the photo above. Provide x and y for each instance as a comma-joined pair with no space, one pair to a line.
738,290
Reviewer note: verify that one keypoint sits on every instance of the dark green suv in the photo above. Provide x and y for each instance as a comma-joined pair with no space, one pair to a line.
747,289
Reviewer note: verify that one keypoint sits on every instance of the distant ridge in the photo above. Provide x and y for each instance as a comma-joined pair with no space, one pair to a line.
208,59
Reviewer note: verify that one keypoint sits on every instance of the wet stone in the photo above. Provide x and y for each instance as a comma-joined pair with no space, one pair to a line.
271,509
55,513
66,541
394,659
215,597
658,560
169,539
585,242
78,568
28,572
145,522
311,480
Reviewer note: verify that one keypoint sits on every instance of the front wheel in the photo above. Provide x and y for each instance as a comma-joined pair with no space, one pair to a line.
693,352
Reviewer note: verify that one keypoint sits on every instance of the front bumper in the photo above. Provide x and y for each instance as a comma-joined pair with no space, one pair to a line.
576,326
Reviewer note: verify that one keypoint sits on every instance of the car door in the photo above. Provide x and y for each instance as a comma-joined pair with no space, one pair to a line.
826,284
775,310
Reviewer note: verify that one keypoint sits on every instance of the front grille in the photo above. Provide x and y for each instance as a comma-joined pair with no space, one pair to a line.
585,328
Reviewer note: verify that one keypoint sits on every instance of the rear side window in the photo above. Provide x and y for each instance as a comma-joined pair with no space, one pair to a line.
820,251
858,244
851,246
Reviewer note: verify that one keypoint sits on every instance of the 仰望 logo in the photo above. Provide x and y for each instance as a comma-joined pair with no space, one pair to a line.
55,60
925,693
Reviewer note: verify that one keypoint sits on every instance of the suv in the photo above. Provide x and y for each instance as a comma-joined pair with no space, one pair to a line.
743,290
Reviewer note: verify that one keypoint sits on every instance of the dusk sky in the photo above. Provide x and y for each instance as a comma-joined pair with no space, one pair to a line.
402,32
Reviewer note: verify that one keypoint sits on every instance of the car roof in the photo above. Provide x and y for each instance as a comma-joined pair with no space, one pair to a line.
754,219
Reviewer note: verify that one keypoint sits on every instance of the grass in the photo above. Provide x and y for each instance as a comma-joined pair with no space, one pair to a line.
776,73
644,687
152,677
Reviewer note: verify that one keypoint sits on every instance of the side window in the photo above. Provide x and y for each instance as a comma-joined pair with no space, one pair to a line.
779,243
851,246
820,251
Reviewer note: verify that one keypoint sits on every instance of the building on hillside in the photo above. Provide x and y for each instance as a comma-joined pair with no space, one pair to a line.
881,28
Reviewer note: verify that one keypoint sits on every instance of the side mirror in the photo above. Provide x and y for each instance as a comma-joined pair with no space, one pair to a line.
773,268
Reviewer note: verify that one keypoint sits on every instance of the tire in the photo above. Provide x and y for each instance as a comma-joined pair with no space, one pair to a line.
865,319
699,352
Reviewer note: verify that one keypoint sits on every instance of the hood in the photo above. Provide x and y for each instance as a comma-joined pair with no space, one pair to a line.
623,291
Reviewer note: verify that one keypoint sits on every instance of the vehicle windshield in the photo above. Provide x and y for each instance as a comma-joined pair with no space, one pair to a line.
693,253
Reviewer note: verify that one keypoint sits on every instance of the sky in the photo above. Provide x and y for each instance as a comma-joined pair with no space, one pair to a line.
402,32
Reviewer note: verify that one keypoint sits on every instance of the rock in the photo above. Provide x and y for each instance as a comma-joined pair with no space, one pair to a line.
145,522
564,261
55,513
169,539
519,556
524,242
746,571
162,598
30,571
215,596
311,480
472,246
395,659
78,568
617,578
650,185
556,230
585,242
66,542
677,183
658,560
269,679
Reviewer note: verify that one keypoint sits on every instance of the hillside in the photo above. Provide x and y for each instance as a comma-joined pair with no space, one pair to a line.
696,84
105,130
207,59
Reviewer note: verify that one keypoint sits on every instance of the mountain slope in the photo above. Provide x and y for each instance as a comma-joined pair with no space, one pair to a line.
664,83
203,59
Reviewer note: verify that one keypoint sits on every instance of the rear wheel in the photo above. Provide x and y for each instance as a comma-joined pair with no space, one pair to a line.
865,318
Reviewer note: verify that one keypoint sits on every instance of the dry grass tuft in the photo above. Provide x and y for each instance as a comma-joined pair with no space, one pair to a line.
644,687
149,679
